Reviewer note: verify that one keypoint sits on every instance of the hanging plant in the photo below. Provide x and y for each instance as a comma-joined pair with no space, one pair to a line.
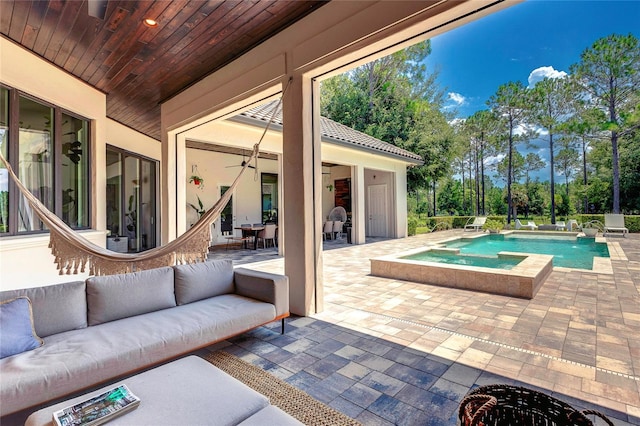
195,178
197,181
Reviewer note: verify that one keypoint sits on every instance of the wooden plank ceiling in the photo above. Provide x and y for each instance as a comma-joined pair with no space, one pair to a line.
136,66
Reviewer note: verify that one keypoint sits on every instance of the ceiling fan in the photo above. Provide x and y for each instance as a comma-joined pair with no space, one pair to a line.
97,8
244,162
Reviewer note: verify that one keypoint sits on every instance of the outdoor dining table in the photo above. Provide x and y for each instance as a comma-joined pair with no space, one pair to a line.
253,231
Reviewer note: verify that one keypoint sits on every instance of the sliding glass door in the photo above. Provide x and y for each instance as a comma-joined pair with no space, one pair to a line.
131,201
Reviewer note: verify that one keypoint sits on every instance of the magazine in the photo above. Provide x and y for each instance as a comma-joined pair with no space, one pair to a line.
99,409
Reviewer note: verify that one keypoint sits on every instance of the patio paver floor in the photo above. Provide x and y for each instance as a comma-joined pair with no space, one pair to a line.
386,351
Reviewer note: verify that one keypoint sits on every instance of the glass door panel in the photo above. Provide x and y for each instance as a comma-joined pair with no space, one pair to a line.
4,175
147,205
132,202
226,217
269,198
35,153
114,193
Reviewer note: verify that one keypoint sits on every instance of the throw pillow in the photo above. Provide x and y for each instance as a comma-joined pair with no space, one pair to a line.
17,333
197,281
113,297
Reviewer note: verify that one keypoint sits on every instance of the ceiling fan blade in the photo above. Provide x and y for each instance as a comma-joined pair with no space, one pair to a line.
241,165
97,8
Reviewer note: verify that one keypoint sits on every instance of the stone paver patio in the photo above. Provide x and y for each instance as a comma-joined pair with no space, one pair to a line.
394,352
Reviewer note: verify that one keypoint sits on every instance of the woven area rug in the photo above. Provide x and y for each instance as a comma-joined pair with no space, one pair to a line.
287,397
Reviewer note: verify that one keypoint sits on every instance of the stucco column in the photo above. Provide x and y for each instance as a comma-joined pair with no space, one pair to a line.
302,198
358,216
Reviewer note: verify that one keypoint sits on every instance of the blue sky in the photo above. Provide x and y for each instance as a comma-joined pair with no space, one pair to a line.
543,37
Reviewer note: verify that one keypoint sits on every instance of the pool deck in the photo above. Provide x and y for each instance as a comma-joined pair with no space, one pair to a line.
367,353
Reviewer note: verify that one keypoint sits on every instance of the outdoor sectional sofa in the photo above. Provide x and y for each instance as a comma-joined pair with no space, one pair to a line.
106,327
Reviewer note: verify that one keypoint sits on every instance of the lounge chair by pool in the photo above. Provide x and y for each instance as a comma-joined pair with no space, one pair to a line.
477,224
614,223
530,225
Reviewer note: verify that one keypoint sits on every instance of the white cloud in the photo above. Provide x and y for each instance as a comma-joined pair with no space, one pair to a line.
494,159
540,73
457,98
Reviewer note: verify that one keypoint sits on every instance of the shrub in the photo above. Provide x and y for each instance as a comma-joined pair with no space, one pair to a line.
412,224
493,224
633,223
461,221
422,230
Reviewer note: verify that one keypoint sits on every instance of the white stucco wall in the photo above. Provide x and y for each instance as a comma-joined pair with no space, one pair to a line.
219,169
124,137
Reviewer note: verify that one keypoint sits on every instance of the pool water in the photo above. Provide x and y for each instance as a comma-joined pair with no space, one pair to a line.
461,259
568,252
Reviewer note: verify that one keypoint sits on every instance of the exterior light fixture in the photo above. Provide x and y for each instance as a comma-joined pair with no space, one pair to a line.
150,23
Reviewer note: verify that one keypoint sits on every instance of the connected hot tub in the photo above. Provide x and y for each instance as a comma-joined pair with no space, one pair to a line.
508,273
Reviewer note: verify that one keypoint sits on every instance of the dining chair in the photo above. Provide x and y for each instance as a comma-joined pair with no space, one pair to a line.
327,230
337,229
268,233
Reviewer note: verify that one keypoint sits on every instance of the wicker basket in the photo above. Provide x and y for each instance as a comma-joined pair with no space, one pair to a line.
497,405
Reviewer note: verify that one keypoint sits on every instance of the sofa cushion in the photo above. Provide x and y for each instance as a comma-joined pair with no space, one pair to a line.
202,280
56,308
119,296
16,324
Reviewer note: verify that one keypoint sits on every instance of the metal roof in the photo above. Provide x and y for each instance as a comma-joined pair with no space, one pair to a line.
331,132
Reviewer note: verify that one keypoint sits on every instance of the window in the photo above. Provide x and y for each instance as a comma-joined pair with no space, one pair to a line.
47,148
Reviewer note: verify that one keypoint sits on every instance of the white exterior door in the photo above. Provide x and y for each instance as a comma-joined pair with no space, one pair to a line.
377,206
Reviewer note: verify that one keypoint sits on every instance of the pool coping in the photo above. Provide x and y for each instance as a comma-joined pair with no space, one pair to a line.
523,280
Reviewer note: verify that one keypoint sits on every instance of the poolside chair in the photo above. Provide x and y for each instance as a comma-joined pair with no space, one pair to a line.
573,225
530,225
561,226
477,224
614,223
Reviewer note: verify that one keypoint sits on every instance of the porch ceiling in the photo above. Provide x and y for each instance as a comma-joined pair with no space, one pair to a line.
138,67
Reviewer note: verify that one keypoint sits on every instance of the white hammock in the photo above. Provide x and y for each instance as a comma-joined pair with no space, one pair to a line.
73,253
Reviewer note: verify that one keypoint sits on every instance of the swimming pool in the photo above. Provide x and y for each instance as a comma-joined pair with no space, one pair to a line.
567,251
511,270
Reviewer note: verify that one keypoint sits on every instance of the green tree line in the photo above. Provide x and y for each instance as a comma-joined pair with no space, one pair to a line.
588,122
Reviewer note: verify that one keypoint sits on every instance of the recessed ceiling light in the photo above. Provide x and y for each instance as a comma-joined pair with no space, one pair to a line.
150,23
